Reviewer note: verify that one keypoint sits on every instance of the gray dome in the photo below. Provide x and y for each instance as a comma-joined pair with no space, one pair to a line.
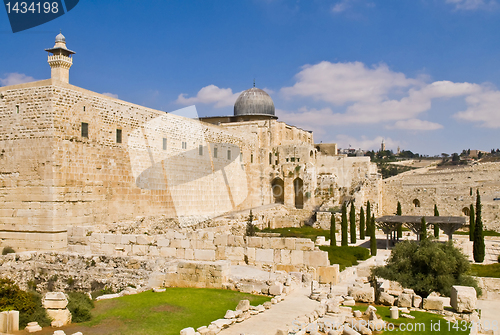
254,102
60,38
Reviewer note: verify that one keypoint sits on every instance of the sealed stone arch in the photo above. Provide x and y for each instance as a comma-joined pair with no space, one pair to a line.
298,187
278,189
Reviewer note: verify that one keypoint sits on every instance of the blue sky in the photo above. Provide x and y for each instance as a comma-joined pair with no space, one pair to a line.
421,74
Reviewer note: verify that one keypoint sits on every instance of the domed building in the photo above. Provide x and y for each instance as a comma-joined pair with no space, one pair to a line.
252,104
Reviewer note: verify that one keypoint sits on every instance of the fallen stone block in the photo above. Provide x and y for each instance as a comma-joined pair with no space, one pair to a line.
187,331
366,294
405,300
433,304
386,299
243,305
463,299
54,300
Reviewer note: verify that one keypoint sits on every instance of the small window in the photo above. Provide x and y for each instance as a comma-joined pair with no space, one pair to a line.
292,159
251,158
164,143
229,154
85,129
200,150
215,152
17,109
241,157
84,108
270,158
287,160
184,145
118,136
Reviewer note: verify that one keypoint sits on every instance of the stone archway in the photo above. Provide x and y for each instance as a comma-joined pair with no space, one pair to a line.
298,187
278,189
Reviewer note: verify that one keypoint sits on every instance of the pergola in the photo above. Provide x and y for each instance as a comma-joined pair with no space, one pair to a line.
448,224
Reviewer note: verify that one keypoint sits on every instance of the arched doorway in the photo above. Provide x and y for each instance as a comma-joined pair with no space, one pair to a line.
298,187
466,211
278,188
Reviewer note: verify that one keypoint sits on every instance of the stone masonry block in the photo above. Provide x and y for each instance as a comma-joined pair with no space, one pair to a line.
254,241
297,257
463,299
264,255
316,258
277,243
204,255
220,240
289,243
304,244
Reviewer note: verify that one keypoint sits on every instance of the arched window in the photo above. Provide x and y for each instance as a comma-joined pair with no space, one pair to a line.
416,202
278,189
270,158
466,211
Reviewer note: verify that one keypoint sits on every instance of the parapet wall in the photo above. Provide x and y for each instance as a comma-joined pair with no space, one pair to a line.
289,253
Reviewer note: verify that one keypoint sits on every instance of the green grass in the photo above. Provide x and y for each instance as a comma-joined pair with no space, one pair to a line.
164,313
488,270
485,233
302,232
345,256
423,319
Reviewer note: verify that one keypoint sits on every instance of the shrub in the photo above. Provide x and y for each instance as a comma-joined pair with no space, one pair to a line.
8,250
80,305
29,304
427,266
250,231
498,259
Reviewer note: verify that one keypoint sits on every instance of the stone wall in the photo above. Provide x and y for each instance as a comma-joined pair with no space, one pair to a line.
449,189
296,253
52,177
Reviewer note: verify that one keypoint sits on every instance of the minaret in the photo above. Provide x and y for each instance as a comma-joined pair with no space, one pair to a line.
382,146
60,60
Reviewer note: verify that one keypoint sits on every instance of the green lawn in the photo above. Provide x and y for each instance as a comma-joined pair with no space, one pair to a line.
302,232
161,313
420,325
489,270
346,256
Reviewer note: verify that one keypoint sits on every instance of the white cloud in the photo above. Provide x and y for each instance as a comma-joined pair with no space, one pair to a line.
482,107
111,95
473,4
15,79
211,94
415,124
368,95
343,141
340,83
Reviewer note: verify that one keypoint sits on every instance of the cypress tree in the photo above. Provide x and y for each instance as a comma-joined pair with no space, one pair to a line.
333,241
352,222
399,212
478,247
423,229
362,223
472,221
344,242
436,225
368,217
373,239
